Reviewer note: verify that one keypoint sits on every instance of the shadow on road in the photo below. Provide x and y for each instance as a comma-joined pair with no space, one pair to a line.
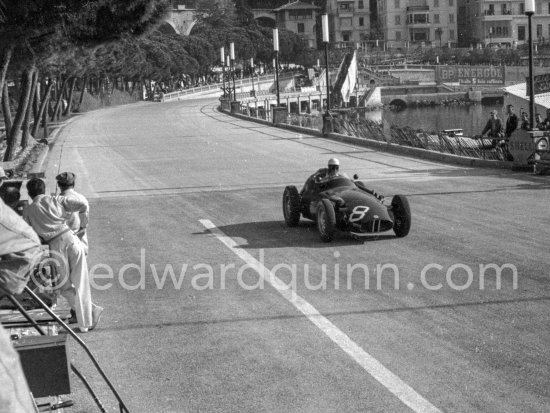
276,234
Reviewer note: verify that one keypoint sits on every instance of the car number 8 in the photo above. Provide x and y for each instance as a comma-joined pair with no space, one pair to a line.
358,213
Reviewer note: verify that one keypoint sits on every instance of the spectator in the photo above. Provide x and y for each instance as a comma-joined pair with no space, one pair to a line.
539,123
493,128
11,196
524,121
546,122
47,215
511,121
66,182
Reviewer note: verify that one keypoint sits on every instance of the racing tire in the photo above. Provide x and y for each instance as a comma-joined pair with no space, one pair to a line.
326,220
402,216
291,206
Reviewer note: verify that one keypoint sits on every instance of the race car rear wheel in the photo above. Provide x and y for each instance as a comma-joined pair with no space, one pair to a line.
402,215
291,206
326,220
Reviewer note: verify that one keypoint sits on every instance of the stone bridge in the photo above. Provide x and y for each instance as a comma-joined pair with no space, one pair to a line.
182,20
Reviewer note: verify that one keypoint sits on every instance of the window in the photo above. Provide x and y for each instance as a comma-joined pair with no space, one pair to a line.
346,22
300,14
521,9
436,18
396,4
521,33
301,28
539,31
451,18
451,3
436,3
345,37
451,34
361,21
360,5
538,8
398,36
397,20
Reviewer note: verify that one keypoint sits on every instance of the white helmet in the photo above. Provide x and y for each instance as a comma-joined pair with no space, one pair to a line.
333,162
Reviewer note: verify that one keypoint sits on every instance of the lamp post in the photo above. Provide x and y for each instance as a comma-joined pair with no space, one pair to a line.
276,49
252,72
222,56
232,57
324,19
529,11
228,64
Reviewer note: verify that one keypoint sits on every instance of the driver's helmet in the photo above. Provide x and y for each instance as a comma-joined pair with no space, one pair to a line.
333,166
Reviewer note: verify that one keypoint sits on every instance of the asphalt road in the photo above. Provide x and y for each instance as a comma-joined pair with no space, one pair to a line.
224,333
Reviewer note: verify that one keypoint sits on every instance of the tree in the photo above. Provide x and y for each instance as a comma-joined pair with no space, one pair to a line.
36,30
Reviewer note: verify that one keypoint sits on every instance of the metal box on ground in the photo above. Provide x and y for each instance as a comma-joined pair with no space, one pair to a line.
45,364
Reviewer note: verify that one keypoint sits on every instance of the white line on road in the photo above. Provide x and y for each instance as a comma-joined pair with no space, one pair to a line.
390,381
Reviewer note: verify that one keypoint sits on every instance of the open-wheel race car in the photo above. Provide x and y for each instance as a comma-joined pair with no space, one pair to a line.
339,202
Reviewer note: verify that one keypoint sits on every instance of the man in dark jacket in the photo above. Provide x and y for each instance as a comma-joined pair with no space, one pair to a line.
493,126
512,121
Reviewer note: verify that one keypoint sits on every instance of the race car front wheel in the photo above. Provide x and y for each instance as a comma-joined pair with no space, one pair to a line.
291,206
326,220
402,215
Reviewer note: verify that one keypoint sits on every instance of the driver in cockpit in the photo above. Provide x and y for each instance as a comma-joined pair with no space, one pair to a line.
332,171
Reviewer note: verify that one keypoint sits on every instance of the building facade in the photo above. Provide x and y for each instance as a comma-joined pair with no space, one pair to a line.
411,23
349,20
501,22
300,18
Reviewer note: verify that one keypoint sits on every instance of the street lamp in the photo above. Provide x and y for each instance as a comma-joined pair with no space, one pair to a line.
252,72
324,19
228,64
222,56
232,57
529,11
276,49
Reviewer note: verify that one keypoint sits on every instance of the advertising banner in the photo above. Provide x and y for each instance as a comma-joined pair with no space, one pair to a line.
471,75
541,84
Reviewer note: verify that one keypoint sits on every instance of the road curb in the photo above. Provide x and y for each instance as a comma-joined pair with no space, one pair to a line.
387,147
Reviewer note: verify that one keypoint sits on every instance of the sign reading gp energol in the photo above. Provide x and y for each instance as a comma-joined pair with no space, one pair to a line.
471,75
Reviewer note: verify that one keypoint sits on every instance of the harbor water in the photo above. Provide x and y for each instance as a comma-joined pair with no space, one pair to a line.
469,117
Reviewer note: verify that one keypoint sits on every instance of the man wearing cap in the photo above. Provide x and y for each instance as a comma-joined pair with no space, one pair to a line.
48,217
66,181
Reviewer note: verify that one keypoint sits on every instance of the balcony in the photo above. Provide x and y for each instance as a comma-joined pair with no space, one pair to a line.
418,8
499,15
346,12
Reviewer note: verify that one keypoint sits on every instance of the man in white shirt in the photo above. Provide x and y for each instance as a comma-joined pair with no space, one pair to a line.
65,182
47,215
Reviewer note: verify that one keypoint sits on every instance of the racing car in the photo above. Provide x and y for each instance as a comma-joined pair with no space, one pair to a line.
346,204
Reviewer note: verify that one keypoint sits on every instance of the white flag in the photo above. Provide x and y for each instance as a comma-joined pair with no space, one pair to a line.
349,83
